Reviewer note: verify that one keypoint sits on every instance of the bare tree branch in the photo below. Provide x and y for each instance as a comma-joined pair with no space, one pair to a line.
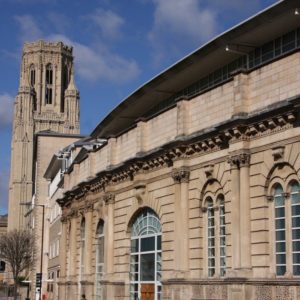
17,248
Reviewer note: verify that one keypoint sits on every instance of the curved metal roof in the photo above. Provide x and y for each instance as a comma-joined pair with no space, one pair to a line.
255,31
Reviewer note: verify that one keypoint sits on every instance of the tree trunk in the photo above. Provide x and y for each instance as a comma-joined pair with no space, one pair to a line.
15,288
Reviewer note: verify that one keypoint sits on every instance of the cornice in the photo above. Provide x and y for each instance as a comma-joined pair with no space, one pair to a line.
244,127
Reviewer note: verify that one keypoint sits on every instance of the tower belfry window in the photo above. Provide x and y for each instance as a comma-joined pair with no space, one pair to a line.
32,75
49,82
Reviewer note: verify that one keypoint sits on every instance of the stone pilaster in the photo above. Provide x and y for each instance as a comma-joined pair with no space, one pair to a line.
88,239
73,244
109,200
240,213
235,212
181,251
245,210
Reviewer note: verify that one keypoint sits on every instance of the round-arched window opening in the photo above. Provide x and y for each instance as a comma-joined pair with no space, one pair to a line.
145,258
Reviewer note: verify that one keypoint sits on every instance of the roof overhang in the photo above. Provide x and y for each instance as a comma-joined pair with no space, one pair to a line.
254,32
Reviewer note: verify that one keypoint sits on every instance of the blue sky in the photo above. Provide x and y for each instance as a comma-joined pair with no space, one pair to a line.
118,46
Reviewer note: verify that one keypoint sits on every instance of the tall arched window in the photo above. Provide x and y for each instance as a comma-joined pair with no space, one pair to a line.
82,246
215,235
145,258
49,82
99,258
222,235
32,75
211,242
295,213
287,228
280,239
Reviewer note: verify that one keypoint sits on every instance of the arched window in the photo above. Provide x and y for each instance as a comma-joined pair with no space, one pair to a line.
222,235
145,258
295,226
82,246
49,82
280,239
99,258
32,75
211,242
215,235
287,228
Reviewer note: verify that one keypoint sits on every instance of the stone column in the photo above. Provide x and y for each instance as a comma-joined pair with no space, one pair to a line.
235,212
181,249
245,210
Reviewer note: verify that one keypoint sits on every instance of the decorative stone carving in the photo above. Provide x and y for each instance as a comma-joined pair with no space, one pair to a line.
278,153
181,175
73,213
89,207
140,191
109,198
239,160
208,170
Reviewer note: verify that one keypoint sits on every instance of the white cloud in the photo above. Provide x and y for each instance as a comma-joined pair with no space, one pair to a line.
6,110
109,22
30,30
100,64
177,22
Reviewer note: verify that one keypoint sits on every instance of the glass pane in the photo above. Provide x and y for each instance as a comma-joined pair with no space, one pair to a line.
147,267
159,242
280,223
148,244
211,262
211,252
296,210
296,234
280,270
296,222
296,258
280,247
279,201
296,246
134,258
279,212
296,198
280,259
135,245
296,270
280,235
211,242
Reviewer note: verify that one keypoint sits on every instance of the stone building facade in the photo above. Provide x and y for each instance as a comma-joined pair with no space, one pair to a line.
197,195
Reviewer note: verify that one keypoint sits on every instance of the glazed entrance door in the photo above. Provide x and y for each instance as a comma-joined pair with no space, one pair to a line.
147,291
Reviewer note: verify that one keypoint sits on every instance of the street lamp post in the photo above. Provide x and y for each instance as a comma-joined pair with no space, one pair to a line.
42,245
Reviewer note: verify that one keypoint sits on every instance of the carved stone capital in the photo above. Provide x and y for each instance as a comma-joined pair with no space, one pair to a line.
89,207
244,159
239,160
181,175
109,198
64,219
73,213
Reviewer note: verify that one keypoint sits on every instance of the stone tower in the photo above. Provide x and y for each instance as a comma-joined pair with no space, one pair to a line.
47,100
